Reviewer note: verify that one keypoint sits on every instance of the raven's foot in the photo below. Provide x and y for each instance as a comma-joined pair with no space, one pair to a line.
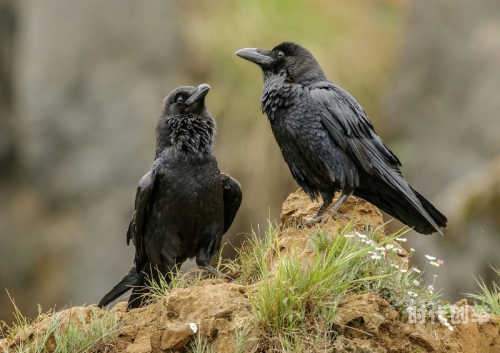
332,213
312,221
341,215
323,219
217,273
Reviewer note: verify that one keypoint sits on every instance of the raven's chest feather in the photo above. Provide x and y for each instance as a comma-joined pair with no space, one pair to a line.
294,119
190,183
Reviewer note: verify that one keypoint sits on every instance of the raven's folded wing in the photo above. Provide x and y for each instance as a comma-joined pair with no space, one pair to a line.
232,196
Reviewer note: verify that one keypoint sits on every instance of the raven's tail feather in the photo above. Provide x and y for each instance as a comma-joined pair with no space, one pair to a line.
123,286
405,204
437,216
141,292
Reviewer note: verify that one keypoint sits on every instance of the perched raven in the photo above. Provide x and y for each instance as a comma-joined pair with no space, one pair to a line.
184,204
328,141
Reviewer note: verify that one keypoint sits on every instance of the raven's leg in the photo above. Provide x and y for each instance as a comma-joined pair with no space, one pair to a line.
326,202
337,204
203,261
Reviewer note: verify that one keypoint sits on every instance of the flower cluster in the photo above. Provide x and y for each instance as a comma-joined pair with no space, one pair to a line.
411,286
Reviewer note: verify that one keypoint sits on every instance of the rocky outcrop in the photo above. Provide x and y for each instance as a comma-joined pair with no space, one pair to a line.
215,309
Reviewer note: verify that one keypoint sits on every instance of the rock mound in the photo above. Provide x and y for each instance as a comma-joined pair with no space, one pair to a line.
216,310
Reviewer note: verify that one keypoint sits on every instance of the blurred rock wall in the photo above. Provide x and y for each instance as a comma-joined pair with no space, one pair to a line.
444,110
82,84
88,81
8,25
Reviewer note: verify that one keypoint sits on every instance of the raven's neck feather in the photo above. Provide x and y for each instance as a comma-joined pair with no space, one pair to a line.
191,134
277,92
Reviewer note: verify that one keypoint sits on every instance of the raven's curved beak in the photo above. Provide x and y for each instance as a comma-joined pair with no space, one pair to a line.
199,93
258,56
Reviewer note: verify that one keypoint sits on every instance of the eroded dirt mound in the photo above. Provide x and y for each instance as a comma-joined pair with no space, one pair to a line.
215,310
298,208
366,323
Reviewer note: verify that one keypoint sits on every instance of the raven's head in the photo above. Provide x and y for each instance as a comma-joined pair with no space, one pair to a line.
186,100
185,122
296,62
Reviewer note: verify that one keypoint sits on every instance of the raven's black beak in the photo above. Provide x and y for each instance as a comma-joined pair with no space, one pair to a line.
199,93
258,56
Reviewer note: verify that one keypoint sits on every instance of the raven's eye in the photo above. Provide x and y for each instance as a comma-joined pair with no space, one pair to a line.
280,54
180,99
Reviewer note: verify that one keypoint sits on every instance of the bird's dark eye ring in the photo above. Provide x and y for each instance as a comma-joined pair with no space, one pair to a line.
280,54
179,99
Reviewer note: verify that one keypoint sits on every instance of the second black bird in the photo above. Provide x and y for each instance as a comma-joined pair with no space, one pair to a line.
184,204
328,141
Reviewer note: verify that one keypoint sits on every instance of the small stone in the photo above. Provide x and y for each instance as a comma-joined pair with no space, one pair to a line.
177,336
193,327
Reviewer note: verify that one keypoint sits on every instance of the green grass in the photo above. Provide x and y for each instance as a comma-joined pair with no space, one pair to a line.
488,299
294,301
63,333
199,345
161,288
242,338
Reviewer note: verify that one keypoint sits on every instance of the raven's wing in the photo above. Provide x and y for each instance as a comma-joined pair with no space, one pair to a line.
134,233
136,227
162,245
349,127
232,196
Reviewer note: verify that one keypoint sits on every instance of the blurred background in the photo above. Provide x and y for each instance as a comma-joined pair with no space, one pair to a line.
81,89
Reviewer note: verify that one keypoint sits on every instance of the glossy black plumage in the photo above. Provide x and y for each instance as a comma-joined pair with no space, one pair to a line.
328,141
184,204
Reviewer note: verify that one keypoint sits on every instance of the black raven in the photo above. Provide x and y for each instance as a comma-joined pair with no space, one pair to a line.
184,204
328,141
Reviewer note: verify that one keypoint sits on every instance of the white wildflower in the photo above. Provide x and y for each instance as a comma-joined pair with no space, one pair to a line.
401,239
430,257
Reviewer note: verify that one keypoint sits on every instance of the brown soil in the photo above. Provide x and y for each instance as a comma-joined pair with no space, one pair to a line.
364,323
